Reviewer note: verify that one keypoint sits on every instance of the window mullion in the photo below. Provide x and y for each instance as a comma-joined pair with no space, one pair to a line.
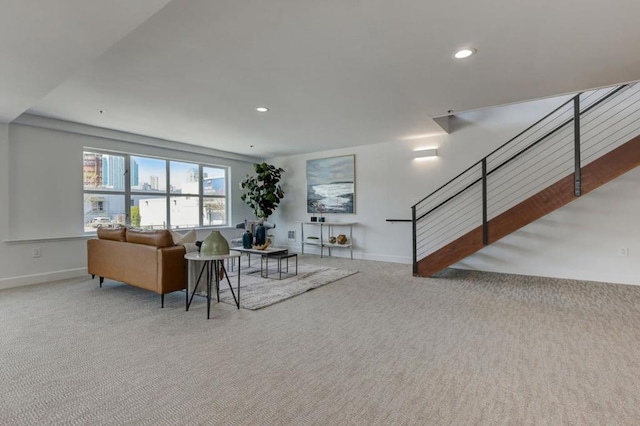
127,189
201,194
168,192
227,192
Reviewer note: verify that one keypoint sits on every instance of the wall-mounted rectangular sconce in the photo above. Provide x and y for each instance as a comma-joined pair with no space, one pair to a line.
425,153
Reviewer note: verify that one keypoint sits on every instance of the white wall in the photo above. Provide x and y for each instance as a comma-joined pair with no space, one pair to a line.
41,196
4,195
389,180
579,241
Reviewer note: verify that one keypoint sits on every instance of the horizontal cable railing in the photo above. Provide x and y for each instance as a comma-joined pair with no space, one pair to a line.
536,158
612,125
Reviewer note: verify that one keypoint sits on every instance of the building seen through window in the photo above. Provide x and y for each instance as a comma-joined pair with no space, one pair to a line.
157,194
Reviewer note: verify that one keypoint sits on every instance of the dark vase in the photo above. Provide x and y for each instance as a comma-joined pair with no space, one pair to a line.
247,239
261,235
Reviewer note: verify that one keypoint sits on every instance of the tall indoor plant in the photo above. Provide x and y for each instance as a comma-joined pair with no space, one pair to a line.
263,194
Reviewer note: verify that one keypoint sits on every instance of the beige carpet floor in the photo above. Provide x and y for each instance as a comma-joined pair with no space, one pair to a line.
376,348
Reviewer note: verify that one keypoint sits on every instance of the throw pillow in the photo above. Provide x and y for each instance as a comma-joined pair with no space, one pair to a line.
177,237
190,247
190,237
180,239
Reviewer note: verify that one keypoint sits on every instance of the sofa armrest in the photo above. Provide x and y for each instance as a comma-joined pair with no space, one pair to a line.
134,264
172,269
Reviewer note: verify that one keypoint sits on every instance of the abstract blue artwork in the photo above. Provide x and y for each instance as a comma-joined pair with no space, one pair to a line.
331,185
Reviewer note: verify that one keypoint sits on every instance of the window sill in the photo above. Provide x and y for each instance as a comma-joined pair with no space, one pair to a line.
48,240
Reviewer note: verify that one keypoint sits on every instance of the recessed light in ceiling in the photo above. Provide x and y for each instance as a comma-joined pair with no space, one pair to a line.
101,111
464,53
262,109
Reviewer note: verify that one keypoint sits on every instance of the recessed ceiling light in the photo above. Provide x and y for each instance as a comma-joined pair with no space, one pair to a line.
101,111
464,53
262,109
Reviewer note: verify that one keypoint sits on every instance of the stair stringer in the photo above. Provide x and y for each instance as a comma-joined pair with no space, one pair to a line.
606,168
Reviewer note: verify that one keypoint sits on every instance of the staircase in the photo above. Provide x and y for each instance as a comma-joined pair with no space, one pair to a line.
586,142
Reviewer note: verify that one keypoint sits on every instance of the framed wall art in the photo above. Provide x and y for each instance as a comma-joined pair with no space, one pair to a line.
331,185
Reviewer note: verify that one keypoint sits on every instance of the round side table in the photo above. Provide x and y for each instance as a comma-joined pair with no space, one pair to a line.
214,266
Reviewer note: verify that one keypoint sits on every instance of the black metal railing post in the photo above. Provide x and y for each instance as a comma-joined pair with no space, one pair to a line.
415,240
577,184
485,225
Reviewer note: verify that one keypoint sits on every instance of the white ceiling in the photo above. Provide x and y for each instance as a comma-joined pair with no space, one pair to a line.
334,73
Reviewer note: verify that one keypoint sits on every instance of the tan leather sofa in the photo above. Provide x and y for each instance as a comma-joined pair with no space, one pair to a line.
145,259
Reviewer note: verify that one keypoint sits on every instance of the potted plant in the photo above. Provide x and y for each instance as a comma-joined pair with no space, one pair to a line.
262,194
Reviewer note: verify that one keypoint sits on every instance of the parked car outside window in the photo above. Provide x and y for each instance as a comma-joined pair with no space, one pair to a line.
96,222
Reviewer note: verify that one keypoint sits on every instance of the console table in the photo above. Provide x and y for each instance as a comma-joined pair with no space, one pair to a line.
214,265
323,241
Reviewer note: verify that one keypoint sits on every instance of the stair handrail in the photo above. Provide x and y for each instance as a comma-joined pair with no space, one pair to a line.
575,118
516,155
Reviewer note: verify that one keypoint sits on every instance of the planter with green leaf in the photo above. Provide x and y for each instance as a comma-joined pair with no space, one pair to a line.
263,194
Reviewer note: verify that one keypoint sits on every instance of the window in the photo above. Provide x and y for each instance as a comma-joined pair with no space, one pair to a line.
184,204
157,194
148,174
104,190
214,200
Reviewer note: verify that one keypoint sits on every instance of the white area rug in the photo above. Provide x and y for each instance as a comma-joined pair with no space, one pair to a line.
257,292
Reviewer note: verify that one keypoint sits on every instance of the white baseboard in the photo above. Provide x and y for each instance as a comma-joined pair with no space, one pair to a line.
386,258
25,280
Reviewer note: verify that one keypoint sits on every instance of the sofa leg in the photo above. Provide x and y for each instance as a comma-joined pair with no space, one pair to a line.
101,281
162,300
93,276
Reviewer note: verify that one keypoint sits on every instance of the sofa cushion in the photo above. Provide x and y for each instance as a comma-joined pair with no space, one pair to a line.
115,234
180,239
160,238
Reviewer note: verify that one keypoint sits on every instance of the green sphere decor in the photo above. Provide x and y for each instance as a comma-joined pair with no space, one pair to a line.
214,245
